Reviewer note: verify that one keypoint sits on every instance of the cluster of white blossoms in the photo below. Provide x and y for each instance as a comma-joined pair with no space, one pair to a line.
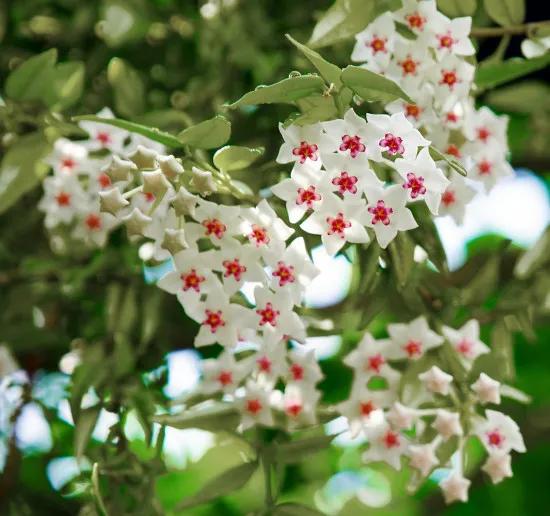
395,422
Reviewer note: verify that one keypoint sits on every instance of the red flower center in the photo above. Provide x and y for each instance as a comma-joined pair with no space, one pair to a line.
233,268
452,117
449,78
366,409
453,150
294,408
409,65
306,150
214,320
346,183
377,44
254,406
192,280
93,222
375,363
307,197
284,273
103,137
225,378
448,197
214,227
268,315
264,364
483,134
446,40
391,439
393,144
149,197
381,213
259,234
297,372
412,111
495,438
464,347
413,347
415,184
68,163
104,181
415,21
484,167
353,144
337,225
63,199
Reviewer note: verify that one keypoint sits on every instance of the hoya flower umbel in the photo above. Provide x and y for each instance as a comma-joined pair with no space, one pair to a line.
396,135
67,158
374,45
412,340
451,36
466,340
423,180
263,227
303,145
388,213
499,433
455,198
386,445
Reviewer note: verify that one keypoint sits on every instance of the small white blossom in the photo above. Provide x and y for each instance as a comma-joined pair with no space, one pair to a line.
67,158
401,417
263,226
300,405
451,79
255,406
436,380
63,200
103,136
417,15
455,488
203,181
385,445
447,423
451,36
466,340
303,367
374,45
423,458
412,340
455,198
487,389
303,145
222,374
498,467
499,433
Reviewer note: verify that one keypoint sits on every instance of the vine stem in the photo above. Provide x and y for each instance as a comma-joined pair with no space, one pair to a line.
511,30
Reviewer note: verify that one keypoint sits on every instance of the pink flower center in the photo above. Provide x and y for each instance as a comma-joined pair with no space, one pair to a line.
495,438
254,406
412,111
225,378
453,150
409,65
259,234
381,213
415,184
484,167
366,409
392,143
68,163
297,372
448,198
375,363
337,225
305,151
464,347
353,144
103,137
192,281
264,364
415,21
63,199
446,40
214,227
307,197
214,320
413,347
483,134
284,273
391,439
93,222
377,44
449,78
233,268
294,408
104,181
268,315
346,183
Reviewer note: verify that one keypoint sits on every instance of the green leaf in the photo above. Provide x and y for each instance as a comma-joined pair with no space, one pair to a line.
233,157
285,91
22,168
150,132
535,257
401,250
294,452
371,86
142,402
505,12
502,344
83,429
493,75
226,483
483,284
128,87
296,509
451,160
209,134
515,394
213,418
427,237
491,364
456,8
27,82
66,86
530,96
330,72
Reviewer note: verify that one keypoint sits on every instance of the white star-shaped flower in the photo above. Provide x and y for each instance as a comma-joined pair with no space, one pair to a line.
67,158
374,45
451,79
63,200
222,374
255,406
401,417
417,16
447,423
303,145
498,467
436,380
466,340
300,405
487,389
455,488
499,433
203,181
455,198
303,367
423,458
263,227
412,340
104,136
451,36
385,445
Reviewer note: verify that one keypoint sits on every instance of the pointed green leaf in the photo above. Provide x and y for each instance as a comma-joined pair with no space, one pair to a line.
505,12
142,402
27,82
328,71
515,394
401,251
483,284
66,86
492,75
294,452
228,482
233,157
285,91
83,429
150,132
456,165
456,8
296,509
427,237
371,86
219,416
128,87
529,96
502,344
209,134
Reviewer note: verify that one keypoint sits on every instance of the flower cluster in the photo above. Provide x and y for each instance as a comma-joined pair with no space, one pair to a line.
418,425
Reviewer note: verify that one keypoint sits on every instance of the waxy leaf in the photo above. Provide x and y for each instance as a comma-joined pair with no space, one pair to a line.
220,416
371,86
456,8
209,134
505,12
296,509
492,75
401,251
128,87
451,160
229,481
66,85
294,452
233,157
84,428
288,90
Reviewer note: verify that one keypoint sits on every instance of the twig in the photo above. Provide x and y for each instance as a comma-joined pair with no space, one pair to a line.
511,30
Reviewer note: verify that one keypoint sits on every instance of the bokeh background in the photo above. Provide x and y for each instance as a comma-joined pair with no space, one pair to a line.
188,58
